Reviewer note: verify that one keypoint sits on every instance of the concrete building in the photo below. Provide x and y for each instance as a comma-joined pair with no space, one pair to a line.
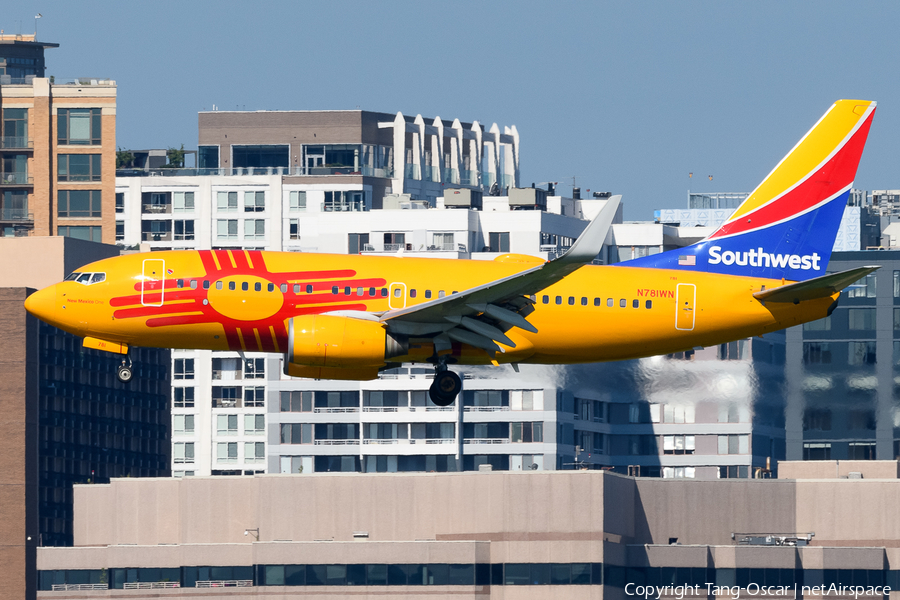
64,417
482,535
57,145
21,58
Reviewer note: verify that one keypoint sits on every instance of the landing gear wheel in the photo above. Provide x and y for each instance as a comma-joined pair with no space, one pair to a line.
445,388
124,373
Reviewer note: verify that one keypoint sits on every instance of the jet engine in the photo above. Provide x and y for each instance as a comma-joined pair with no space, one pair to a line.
334,347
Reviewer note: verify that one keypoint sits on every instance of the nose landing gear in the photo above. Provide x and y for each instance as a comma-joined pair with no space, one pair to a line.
446,385
124,372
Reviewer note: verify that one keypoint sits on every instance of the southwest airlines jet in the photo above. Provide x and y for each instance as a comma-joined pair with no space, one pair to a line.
348,317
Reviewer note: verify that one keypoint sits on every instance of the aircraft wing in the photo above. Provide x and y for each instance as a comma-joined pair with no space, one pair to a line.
820,287
479,316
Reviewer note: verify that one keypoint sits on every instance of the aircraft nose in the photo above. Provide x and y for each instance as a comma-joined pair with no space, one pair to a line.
42,304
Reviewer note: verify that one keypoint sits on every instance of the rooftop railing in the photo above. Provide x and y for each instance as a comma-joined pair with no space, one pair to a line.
225,583
365,171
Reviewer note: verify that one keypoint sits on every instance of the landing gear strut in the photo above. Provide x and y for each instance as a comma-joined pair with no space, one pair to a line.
446,385
124,372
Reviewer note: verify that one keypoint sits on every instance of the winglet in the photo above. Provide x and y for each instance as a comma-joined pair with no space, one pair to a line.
590,242
820,287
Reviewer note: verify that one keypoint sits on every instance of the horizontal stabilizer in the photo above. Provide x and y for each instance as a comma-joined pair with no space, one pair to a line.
811,289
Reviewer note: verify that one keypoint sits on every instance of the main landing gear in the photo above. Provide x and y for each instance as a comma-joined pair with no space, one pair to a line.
124,372
446,385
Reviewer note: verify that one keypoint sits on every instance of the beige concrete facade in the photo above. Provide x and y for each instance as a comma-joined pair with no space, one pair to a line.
37,262
43,100
481,517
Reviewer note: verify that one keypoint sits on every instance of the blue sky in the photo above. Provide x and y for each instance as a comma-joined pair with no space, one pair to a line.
627,97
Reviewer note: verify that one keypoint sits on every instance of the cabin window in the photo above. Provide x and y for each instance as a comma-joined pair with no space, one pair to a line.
384,292
309,289
98,277
559,299
270,287
546,299
596,301
635,303
296,288
649,304
583,301
609,301
72,277
335,290
571,300
218,285
206,284
622,303
84,278
257,287
360,291
347,290
179,283
412,293
372,292
427,293
245,286
231,285
193,284
441,294
397,292
284,288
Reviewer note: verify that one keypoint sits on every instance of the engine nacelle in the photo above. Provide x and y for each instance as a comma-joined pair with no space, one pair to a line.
335,342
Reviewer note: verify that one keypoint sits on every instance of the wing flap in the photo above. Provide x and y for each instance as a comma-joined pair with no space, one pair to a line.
811,289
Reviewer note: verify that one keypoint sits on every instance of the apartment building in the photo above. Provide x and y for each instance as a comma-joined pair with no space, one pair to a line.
57,145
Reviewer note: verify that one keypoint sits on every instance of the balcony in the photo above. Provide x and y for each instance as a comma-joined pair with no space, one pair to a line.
353,442
156,209
432,173
15,143
156,236
468,178
16,178
450,176
478,441
16,215
412,172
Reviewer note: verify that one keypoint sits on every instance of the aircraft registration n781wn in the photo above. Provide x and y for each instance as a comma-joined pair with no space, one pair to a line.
348,317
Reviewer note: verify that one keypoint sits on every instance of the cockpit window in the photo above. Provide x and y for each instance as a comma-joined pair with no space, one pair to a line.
87,278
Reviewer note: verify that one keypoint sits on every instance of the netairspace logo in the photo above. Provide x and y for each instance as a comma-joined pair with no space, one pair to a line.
780,592
761,258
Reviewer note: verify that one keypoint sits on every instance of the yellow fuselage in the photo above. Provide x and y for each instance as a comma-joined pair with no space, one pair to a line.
241,300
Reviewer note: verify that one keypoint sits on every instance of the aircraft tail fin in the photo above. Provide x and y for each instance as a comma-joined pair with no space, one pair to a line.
787,226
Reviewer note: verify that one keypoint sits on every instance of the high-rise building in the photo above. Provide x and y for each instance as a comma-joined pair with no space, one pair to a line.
58,151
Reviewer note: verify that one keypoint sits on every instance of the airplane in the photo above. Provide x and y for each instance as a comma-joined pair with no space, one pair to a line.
348,317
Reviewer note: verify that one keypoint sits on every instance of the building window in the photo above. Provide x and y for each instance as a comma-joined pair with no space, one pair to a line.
254,201
357,242
226,396
78,203
156,231
526,432
226,452
208,157
183,202
254,424
296,433
260,156
183,397
817,451
294,229
499,241
678,444
15,127
184,231
297,201
183,424
861,318
861,353
78,127
296,401
254,452
816,353
226,424
90,233
864,288
734,444
226,201
254,229
861,451
183,452
668,413
78,167
818,325
678,472
349,201
120,202
254,397
120,231
184,368
226,229
734,472
255,368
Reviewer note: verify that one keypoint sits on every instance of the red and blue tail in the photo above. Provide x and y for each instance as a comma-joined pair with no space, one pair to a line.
786,228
